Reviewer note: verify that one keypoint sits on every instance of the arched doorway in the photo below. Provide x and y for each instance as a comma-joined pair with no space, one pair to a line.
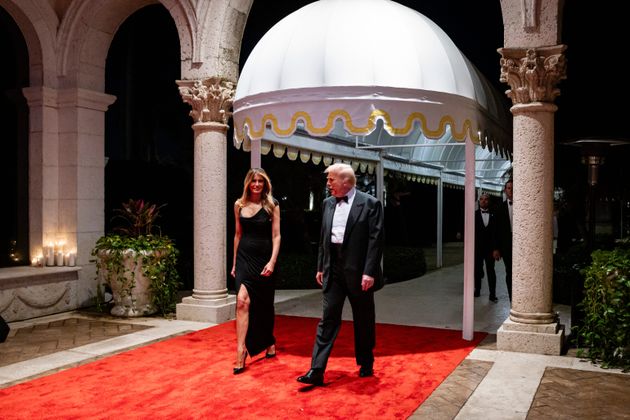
14,214
148,136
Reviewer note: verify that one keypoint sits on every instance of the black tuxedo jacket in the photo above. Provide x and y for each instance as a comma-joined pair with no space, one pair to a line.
486,239
362,243
504,229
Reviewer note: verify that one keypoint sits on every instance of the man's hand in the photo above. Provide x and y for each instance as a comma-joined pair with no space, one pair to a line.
319,277
496,254
366,282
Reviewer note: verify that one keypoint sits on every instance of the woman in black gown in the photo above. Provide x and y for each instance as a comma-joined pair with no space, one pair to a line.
256,247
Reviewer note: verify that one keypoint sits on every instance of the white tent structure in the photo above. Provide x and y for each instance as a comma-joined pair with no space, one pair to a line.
378,85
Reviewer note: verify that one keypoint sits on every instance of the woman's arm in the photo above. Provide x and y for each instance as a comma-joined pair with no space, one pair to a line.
237,236
275,238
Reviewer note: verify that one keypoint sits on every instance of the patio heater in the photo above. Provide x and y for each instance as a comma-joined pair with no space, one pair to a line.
594,153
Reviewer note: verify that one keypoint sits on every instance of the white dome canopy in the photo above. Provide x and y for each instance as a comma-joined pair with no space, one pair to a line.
355,62
356,43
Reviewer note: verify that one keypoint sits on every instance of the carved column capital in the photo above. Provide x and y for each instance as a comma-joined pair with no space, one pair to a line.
533,73
211,99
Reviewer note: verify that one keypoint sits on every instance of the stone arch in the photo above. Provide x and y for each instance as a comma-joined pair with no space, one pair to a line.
184,15
37,22
88,28
218,36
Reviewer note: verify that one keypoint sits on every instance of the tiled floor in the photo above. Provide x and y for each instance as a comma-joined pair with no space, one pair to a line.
581,394
452,394
46,338
488,384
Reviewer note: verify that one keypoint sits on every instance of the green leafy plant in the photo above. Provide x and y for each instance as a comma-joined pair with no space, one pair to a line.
100,304
605,331
134,249
138,217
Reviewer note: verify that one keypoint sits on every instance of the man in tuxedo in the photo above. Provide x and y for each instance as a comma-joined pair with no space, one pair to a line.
486,247
348,265
504,216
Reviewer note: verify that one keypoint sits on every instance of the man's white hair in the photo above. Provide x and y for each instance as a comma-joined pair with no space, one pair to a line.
344,170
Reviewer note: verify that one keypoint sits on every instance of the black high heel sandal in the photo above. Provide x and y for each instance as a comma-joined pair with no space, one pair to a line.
241,369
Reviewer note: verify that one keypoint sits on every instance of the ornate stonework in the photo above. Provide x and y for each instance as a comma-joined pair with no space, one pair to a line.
211,99
530,16
27,299
533,73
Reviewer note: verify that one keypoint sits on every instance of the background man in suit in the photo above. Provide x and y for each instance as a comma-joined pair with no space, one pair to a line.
486,248
504,213
348,264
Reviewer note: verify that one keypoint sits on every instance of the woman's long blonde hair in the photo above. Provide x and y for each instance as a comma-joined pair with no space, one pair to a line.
266,198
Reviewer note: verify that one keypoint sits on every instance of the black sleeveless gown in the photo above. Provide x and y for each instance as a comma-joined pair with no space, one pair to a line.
254,251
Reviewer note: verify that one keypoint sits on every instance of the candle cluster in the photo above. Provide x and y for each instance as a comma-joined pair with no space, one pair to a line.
55,255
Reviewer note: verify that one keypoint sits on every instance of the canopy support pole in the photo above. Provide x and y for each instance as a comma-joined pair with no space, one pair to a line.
380,188
440,221
255,158
380,178
468,322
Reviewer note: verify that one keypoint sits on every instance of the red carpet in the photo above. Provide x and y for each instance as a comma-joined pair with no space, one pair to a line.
190,376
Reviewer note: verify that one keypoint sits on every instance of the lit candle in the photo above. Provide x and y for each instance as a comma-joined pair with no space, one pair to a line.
50,256
34,262
59,259
72,257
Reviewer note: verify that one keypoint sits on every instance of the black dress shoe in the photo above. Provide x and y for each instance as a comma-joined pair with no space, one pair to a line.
494,299
312,377
366,371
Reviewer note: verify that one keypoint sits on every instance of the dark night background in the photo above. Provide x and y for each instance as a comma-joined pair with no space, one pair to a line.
149,140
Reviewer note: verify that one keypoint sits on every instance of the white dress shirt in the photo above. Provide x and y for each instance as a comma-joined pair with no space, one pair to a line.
340,218
485,216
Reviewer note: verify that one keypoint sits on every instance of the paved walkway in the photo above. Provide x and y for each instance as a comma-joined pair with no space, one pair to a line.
488,384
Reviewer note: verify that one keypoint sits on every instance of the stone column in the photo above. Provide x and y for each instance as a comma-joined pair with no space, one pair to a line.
532,74
211,101
66,185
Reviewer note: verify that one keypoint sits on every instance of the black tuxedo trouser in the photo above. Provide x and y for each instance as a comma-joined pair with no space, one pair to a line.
492,276
363,315
507,260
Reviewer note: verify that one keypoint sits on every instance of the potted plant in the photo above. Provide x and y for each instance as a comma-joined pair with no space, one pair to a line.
138,265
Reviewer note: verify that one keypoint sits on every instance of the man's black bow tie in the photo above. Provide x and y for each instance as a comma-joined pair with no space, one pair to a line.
510,202
344,198
485,211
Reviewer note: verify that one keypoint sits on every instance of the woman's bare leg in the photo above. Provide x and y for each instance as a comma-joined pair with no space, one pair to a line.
242,321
